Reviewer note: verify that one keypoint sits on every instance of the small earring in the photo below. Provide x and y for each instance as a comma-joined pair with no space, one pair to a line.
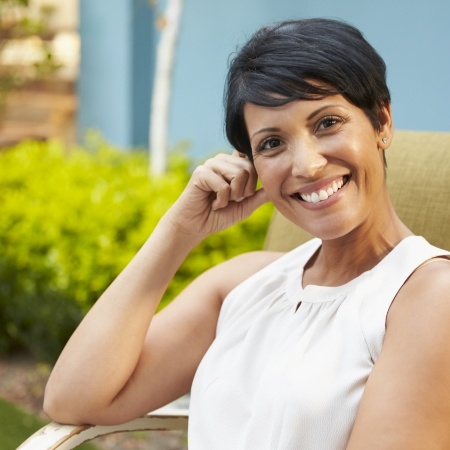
385,140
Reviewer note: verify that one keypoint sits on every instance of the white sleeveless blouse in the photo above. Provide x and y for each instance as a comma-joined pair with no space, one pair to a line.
279,376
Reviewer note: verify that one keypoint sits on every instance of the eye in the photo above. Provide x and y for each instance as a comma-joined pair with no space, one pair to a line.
269,143
329,122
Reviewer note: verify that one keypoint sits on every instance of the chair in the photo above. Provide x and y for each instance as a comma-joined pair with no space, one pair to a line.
418,177
55,436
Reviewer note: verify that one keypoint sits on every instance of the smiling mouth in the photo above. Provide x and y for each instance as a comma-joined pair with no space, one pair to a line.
324,193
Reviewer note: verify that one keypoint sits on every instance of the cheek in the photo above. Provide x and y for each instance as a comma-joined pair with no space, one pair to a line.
273,185
265,177
265,171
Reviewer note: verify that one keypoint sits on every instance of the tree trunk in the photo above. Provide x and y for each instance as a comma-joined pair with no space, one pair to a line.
159,111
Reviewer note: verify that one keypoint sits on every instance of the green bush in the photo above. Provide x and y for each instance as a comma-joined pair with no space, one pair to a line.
71,221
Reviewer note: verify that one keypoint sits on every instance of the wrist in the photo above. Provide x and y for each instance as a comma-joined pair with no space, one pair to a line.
174,236
180,230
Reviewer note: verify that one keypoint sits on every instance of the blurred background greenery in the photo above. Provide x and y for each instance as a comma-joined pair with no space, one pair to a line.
71,220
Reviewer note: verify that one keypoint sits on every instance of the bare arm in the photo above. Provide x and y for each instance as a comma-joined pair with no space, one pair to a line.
116,366
406,403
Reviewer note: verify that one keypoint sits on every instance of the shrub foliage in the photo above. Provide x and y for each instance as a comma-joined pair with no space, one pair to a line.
69,224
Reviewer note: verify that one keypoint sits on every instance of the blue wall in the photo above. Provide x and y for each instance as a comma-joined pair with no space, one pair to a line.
413,36
116,69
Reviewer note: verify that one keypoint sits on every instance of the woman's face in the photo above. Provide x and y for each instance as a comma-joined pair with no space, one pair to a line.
320,162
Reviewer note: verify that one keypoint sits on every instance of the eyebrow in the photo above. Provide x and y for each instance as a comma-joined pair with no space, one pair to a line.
264,130
318,111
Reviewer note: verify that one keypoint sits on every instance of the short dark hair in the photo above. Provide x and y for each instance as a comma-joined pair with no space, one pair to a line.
280,63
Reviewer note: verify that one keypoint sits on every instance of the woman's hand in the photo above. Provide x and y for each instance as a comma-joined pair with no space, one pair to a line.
220,193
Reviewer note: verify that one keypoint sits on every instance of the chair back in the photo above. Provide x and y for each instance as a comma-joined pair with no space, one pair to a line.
418,179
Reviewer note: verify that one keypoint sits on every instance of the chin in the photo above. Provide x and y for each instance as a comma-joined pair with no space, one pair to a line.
326,229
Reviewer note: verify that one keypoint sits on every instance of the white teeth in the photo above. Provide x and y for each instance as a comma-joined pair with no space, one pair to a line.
323,194
306,198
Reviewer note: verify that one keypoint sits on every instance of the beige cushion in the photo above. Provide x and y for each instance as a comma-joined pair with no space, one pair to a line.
418,177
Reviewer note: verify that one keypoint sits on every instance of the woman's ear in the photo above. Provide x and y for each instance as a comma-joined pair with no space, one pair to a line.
386,132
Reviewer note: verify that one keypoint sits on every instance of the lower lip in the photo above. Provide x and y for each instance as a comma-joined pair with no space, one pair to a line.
325,203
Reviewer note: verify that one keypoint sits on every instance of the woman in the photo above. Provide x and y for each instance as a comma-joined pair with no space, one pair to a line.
304,350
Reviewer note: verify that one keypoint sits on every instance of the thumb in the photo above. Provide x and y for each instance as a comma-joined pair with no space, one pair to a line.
258,199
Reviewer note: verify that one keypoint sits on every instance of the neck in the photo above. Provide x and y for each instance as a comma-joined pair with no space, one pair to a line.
340,260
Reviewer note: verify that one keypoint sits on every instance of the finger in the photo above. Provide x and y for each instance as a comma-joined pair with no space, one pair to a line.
222,198
244,184
239,154
258,199
232,172
210,182
238,172
240,186
253,176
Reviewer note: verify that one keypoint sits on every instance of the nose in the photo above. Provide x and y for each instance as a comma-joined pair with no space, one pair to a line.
306,159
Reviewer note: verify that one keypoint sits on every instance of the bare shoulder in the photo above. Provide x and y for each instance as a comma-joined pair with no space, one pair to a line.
420,314
406,400
426,293
236,270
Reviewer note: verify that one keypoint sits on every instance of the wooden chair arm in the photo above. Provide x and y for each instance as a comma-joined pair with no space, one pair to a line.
55,436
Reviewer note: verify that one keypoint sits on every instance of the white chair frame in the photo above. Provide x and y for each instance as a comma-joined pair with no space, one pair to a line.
55,436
